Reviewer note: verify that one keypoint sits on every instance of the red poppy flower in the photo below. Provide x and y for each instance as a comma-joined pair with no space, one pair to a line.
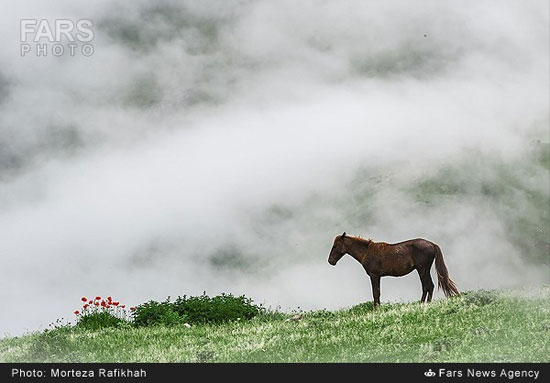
84,299
132,308
96,303
123,306
85,306
76,312
109,298
115,303
97,298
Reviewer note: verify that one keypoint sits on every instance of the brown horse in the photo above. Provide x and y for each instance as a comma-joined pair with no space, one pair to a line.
380,259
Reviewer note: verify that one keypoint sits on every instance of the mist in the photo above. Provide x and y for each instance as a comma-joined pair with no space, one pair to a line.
220,146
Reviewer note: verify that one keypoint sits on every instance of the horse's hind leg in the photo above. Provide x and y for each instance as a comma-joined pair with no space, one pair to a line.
427,285
424,293
430,287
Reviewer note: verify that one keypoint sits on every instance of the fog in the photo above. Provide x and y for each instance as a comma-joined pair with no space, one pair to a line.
220,146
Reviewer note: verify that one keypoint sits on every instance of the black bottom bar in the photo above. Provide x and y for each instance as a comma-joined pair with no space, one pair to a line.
163,372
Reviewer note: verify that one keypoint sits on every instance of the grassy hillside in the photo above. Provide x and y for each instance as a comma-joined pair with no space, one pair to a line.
482,326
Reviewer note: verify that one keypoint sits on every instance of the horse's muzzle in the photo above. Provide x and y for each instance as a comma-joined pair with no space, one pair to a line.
332,262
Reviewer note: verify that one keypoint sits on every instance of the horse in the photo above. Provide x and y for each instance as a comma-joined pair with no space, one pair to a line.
380,259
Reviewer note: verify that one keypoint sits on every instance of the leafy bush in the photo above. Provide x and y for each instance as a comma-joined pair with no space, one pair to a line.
222,308
157,313
99,319
200,309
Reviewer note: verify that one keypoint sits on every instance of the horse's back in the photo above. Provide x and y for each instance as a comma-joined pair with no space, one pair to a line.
417,243
420,250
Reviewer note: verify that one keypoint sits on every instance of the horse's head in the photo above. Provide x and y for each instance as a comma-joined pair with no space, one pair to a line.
338,249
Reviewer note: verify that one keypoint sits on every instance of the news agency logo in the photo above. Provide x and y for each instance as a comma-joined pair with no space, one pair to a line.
429,373
62,37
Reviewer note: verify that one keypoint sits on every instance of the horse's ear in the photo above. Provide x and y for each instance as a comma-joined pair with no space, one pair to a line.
344,234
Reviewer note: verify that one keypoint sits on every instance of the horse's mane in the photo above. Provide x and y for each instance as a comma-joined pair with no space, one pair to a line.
361,239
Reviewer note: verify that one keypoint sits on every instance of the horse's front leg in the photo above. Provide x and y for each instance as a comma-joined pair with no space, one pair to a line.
375,282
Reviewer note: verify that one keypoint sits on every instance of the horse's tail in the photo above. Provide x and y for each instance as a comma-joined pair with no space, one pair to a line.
443,281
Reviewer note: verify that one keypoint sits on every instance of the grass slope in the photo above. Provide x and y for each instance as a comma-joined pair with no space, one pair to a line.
483,326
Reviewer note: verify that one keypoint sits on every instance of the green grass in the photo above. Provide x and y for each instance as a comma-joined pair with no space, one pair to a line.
482,326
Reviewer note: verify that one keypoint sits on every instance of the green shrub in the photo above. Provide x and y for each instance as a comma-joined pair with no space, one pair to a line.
99,319
218,309
158,313
193,310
